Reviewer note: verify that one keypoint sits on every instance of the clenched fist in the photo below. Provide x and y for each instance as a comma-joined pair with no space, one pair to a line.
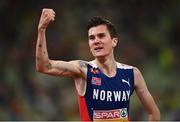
47,16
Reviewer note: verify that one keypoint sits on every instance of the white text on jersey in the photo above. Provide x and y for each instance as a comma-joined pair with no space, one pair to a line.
116,96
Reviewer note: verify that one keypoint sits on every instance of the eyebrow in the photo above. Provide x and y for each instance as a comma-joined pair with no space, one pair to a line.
90,36
101,34
97,34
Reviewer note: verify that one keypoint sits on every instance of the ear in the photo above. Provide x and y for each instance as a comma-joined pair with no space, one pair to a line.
114,42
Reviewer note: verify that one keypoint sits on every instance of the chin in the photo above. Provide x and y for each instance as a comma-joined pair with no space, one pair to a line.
99,55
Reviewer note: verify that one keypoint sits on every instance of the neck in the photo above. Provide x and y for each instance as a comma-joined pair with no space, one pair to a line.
107,65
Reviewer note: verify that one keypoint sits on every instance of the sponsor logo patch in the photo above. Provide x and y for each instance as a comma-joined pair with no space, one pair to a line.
94,70
126,81
116,114
123,113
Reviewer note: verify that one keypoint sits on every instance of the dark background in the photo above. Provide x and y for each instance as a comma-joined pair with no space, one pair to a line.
149,38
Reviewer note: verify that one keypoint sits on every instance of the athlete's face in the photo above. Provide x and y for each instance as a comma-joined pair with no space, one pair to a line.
100,42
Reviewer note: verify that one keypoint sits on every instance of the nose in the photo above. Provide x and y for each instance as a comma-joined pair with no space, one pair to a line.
97,41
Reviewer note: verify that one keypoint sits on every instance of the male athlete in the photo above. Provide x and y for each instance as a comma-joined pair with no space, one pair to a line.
104,86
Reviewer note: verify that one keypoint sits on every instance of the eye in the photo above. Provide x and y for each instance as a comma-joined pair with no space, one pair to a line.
91,37
101,35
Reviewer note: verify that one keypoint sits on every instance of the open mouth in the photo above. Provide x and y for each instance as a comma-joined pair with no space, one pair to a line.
98,48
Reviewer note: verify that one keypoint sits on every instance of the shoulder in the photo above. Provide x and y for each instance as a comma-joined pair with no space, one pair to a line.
124,66
138,78
80,63
80,66
136,71
139,81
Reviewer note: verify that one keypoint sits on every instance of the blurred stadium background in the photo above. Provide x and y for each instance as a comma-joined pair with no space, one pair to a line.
149,34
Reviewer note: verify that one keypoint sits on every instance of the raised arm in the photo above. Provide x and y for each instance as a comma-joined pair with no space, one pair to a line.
44,64
145,96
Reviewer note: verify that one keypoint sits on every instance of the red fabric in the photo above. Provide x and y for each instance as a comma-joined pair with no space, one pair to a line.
84,114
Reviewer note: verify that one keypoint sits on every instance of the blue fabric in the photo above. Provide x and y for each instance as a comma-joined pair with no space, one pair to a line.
108,93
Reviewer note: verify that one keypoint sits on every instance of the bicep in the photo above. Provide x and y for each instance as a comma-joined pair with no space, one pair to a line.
65,69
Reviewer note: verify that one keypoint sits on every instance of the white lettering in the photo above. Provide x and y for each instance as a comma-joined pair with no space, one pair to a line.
97,115
104,114
124,96
116,114
95,94
117,95
110,115
107,114
128,94
109,94
102,95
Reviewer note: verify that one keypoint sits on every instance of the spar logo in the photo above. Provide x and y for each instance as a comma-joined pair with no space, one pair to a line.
116,114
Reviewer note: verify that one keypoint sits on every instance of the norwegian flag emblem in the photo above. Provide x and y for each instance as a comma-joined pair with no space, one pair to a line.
96,81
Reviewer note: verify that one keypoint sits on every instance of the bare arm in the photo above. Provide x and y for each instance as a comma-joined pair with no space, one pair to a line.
44,64
145,96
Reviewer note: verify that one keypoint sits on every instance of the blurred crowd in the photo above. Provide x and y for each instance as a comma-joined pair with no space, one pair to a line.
149,38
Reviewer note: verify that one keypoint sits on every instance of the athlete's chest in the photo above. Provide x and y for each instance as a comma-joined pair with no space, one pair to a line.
110,90
105,89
